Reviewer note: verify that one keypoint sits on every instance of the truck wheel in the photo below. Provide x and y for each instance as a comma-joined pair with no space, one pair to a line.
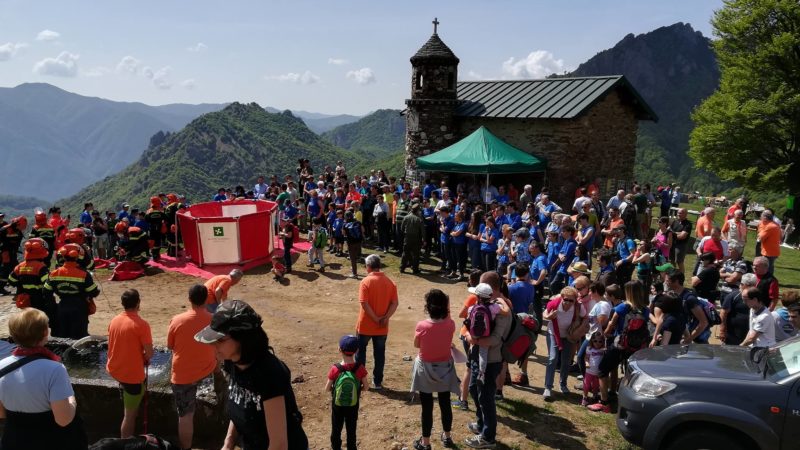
704,439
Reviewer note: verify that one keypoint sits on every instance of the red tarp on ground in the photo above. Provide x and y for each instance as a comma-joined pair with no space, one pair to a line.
127,270
188,268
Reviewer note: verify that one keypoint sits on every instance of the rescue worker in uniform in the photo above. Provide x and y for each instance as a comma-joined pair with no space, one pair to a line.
413,229
171,215
78,237
29,277
10,239
59,226
41,229
131,243
75,289
156,218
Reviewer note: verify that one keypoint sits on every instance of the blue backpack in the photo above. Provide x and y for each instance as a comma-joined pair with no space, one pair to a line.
354,231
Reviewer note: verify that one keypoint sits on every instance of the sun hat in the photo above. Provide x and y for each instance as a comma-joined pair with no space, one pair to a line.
232,315
580,267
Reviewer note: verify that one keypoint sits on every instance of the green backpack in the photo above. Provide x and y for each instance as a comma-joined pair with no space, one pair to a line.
321,238
346,387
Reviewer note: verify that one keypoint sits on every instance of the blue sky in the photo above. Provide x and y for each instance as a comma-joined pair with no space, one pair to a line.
323,56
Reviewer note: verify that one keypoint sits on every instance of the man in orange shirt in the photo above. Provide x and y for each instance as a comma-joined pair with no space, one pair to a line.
191,360
769,234
377,295
614,221
705,224
130,347
218,287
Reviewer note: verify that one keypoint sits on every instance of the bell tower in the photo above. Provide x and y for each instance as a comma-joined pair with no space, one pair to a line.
430,121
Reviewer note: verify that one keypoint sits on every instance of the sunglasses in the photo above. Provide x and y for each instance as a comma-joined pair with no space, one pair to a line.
568,300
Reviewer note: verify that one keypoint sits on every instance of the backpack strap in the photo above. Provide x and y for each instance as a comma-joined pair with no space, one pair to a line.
19,363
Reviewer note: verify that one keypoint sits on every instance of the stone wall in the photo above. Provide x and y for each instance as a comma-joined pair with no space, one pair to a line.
600,143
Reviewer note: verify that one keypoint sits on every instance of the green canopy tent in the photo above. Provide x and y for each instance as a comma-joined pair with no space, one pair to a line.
481,153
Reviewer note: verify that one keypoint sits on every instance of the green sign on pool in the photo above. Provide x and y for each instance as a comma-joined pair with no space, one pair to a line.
219,232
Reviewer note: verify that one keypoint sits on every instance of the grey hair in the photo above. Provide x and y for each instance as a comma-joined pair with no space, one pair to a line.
759,260
236,273
528,186
749,279
373,261
709,210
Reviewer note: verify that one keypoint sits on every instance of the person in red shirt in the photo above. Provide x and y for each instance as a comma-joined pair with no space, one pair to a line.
130,347
191,360
736,206
346,416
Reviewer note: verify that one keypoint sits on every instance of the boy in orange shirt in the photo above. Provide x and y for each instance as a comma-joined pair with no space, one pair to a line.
130,347
191,360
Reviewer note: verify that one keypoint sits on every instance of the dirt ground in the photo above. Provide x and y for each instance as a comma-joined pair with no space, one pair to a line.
306,314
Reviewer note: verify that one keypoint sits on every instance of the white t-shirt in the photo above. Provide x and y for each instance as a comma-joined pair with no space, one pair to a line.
764,323
595,356
602,308
565,318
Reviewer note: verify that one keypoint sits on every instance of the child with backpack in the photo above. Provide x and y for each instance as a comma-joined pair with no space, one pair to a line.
346,380
338,234
480,320
330,218
591,378
318,237
628,325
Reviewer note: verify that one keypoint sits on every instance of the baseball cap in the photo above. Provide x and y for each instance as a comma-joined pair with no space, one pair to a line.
348,344
482,290
125,205
665,267
232,315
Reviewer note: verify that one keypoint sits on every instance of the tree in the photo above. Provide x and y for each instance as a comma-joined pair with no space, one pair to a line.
748,131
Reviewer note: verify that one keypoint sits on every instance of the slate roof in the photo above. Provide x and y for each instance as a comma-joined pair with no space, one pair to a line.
551,98
434,50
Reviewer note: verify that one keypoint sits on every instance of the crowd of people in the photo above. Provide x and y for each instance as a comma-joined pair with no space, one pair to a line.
603,279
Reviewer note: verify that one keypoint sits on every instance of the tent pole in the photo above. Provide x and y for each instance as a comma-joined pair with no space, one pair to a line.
486,195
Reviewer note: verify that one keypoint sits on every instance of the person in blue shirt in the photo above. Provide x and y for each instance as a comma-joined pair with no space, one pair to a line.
86,215
428,188
500,217
124,214
502,197
625,248
585,240
220,197
459,245
445,240
289,211
546,210
666,198
141,222
538,275
566,255
522,294
553,248
513,218
429,219
490,234
338,234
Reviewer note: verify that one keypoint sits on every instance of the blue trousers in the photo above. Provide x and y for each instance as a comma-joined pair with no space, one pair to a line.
483,396
378,352
553,353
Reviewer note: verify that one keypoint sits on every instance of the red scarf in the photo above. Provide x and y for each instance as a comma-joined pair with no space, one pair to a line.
28,351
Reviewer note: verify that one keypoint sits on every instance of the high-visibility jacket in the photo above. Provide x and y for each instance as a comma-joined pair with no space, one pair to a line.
70,282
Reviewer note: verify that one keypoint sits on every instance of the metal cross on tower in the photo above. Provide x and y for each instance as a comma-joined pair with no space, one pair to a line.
435,24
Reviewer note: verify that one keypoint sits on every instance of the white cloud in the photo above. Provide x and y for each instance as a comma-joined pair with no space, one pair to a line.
298,78
161,78
189,84
63,65
128,64
48,35
9,49
537,64
337,61
147,72
472,75
197,48
362,76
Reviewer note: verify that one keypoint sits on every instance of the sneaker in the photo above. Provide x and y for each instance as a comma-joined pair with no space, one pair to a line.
353,276
600,407
498,396
579,378
565,390
520,380
322,269
547,395
473,427
584,401
463,405
418,445
447,442
478,441
377,387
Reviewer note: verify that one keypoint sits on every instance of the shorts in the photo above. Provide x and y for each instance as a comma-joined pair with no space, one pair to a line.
212,307
185,398
611,361
679,253
132,395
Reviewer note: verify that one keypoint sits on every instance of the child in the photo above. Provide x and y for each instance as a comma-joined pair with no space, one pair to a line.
479,325
318,238
278,269
287,235
591,379
338,234
504,250
519,252
330,218
346,380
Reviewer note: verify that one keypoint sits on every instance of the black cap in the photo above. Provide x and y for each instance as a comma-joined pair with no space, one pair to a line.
232,315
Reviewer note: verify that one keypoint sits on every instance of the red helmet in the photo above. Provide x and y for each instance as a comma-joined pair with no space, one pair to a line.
40,218
20,222
70,252
121,227
155,202
76,236
172,198
35,248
